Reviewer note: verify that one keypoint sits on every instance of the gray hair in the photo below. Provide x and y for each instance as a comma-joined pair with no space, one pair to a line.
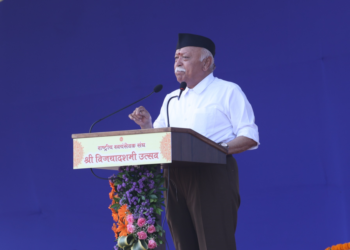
204,55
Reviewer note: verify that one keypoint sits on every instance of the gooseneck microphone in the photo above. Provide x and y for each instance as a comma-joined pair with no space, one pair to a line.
183,86
155,90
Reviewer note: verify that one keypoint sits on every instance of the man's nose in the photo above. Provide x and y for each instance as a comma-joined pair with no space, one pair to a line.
178,62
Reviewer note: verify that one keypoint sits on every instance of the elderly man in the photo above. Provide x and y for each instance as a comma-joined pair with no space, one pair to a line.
204,199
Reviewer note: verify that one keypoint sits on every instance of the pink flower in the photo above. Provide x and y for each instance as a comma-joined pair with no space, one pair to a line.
130,228
152,244
130,218
141,222
151,229
142,235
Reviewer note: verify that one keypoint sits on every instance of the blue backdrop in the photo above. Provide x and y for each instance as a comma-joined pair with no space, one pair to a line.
64,64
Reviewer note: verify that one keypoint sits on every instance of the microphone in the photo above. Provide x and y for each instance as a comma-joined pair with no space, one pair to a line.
155,90
158,88
183,86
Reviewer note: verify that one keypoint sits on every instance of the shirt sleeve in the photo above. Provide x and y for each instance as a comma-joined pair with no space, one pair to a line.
242,116
161,121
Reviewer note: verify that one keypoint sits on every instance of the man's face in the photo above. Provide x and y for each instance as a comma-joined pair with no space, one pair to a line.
188,67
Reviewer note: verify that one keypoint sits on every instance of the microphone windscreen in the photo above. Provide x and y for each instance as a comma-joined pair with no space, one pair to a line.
158,88
183,85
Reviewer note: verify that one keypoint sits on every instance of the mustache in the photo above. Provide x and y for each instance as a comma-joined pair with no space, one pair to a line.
179,69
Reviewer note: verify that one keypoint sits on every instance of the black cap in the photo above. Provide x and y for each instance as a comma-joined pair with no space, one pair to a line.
196,41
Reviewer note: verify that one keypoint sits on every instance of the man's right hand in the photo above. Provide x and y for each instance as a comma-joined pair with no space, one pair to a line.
141,117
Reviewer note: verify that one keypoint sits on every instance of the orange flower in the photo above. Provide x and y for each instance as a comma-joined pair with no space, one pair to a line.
111,194
119,216
122,212
115,216
337,247
346,246
114,228
122,229
122,222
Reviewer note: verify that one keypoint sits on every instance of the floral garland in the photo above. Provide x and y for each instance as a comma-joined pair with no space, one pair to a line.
136,199
345,246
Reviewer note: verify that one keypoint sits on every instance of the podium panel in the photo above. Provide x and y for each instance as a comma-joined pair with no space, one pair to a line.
110,150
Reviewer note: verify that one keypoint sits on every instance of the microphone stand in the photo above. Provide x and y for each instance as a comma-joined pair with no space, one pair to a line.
155,91
117,111
167,109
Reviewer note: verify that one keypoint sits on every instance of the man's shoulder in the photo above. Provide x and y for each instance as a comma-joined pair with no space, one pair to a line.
227,85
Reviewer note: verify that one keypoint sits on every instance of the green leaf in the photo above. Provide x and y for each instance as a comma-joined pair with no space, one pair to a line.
143,197
159,211
163,189
150,192
153,196
160,242
114,205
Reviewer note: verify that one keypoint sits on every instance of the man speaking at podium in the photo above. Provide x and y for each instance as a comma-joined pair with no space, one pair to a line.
204,199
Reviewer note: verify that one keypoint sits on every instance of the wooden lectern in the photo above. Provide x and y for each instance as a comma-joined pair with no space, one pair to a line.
110,150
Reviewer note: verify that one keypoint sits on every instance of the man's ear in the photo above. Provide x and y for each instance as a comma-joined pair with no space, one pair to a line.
207,62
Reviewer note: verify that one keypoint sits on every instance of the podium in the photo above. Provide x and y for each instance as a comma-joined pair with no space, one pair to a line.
111,150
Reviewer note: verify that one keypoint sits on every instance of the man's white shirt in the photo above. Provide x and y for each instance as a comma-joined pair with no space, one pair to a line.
217,109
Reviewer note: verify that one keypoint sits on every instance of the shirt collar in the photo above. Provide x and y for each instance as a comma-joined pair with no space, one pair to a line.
202,85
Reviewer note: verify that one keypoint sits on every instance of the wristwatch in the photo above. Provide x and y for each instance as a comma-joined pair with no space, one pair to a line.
225,145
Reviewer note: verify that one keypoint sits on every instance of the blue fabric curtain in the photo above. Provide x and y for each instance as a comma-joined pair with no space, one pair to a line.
64,64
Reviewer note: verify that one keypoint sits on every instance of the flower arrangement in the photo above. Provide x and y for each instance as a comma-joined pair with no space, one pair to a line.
136,200
345,246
